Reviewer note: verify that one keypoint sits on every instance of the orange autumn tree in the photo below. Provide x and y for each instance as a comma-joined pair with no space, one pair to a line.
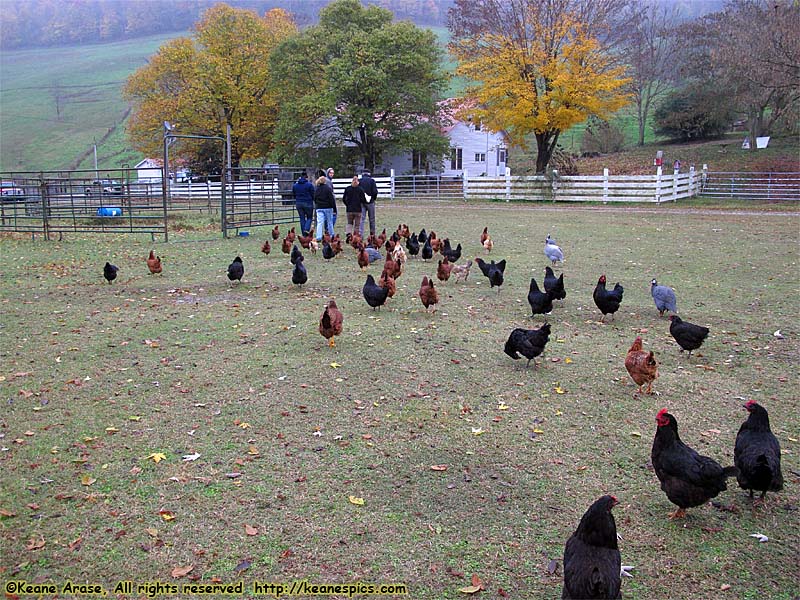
219,77
541,74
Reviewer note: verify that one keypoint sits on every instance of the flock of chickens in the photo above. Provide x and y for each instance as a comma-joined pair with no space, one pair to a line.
592,562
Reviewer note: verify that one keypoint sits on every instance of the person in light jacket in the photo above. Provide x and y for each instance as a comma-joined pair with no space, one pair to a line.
329,180
370,188
303,191
324,203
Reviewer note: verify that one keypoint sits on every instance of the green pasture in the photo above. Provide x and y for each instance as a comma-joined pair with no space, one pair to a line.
268,440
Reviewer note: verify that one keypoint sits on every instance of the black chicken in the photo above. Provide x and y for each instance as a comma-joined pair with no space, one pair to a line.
412,244
757,453
529,343
591,557
296,253
688,335
493,271
299,273
427,250
110,272
607,301
422,237
541,302
327,251
553,285
687,478
452,255
374,294
236,269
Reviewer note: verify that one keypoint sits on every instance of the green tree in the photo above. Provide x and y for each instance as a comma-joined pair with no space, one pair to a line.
219,78
358,79
698,111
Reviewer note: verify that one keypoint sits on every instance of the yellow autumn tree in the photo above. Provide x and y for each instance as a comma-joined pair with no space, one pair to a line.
220,77
542,74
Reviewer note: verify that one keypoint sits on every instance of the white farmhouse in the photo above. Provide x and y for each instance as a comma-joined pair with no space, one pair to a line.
473,149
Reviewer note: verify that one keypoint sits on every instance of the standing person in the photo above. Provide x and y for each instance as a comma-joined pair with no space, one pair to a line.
303,191
329,180
370,188
353,199
676,166
324,203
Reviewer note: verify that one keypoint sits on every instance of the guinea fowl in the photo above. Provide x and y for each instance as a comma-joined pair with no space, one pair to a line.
592,562
110,272
553,285
552,251
541,302
664,297
374,294
299,273
529,343
688,478
236,269
494,272
607,301
757,453
688,335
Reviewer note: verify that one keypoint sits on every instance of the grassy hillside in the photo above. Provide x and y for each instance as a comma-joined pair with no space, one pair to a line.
55,102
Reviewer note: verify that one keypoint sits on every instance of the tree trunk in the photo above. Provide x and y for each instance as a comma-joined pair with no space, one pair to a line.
545,145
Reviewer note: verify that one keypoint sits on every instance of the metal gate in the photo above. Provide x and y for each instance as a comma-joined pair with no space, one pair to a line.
752,186
56,202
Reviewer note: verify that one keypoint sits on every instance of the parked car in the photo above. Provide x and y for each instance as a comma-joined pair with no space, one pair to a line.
104,187
10,188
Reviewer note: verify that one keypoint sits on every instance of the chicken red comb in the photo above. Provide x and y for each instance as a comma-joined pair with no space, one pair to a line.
661,413
750,404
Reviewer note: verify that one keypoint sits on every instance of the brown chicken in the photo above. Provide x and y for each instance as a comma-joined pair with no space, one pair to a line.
484,235
286,246
436,243
642,366
326,238
428,294
356,241
153,263
403,231
488,244
393,268
443,272
266,248
380,240
276,233
363,258
291,236
305,240
336,244
388,284
330,324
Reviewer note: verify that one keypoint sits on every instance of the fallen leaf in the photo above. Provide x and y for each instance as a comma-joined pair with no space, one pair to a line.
242,566
725,586
335,365
87,480
636,434
286,553
156,457
552,566
167,515
760,537
477,431
191,457
179,572
250,530
355,500
75,544
7,513
438,467
470,589
25,393
35,544
111,430
253,451
152,531
568,361
559,390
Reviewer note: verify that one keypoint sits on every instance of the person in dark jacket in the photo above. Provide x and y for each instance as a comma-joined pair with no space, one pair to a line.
303,191
324,202
353,199
370,188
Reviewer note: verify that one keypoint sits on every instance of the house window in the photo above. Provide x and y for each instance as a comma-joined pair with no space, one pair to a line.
456,163
478,126
419,160
480,157
501,156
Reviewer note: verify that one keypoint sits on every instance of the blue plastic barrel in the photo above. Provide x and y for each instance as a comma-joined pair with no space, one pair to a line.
109,211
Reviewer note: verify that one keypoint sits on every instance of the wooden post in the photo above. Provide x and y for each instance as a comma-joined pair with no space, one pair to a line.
465,177
675,176
658,185
605,185
692,186
391,184
508,184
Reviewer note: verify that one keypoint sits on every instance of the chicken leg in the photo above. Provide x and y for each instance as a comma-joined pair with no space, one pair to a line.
678,514
331,343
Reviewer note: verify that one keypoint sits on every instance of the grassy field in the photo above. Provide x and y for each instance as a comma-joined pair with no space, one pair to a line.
268,436
56,102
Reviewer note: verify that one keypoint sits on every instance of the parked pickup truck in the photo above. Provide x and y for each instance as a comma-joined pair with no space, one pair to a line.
104,187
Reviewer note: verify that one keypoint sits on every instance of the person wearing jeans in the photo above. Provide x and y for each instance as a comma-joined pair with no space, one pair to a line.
303,191
324,203
370,188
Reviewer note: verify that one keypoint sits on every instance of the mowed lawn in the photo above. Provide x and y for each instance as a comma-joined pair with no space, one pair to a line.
271,440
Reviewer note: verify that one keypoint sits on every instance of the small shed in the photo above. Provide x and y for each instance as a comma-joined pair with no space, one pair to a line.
149,170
